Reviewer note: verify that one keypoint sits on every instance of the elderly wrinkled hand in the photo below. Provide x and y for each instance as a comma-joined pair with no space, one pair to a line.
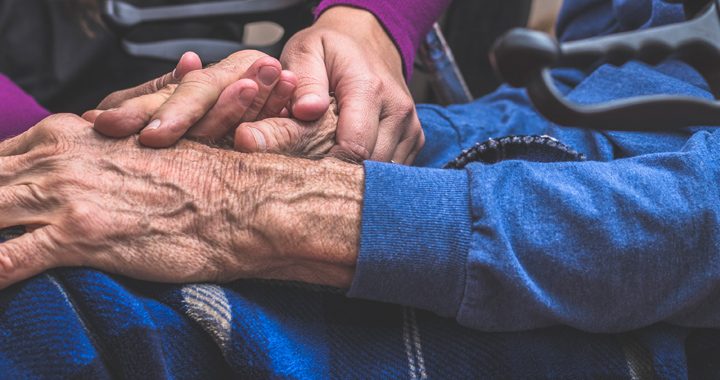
202,103
183,214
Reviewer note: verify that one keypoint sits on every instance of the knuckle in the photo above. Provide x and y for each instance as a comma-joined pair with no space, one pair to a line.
59,120
299,47
421,141
15,257
167,90
299,43
352,151
8,263
239,62
127,103
407,106
408,119
418,134
370,85
112,98
53,127
284,134
245,55
82,218
199,78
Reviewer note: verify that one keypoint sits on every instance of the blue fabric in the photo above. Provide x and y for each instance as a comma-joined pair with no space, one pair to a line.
655,215
80,323
437,248
628,239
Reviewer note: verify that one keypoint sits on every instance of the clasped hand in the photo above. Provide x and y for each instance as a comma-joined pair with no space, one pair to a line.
248,96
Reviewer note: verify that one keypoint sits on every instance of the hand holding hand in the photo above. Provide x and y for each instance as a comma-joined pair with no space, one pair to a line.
348,52
201,103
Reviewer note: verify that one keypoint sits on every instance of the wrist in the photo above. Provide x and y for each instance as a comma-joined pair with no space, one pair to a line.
366,29
337,17
311,216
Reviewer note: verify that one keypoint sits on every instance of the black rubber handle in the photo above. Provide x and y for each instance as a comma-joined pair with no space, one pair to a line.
523,57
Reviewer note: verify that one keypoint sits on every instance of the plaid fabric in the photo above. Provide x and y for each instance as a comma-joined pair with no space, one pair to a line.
80,323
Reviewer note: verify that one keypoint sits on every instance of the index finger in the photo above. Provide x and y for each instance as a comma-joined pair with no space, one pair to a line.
359,118
26,256
310,100
195,95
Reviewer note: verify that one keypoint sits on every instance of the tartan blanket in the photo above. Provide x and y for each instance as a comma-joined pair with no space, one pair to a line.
81,323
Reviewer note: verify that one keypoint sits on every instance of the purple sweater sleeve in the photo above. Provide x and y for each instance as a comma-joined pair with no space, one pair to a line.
18,110
406,21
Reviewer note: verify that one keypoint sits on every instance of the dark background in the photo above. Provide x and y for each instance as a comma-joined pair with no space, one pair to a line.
69,62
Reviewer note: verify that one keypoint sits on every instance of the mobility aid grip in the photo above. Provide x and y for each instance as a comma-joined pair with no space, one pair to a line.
523,58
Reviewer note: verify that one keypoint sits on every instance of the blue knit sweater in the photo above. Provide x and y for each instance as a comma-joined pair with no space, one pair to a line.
625,240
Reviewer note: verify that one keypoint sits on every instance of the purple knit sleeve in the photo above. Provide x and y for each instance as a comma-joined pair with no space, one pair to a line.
406,21
18,110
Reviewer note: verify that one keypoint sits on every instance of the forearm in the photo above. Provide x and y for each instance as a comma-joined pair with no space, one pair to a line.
406,22
600,246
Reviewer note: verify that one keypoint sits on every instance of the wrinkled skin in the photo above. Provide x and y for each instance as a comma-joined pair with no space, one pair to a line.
183,214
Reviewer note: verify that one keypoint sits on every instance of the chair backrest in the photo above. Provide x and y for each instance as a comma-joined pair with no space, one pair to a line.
194,25
147,32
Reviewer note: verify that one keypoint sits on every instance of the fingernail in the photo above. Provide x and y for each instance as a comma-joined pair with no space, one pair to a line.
247,96
309,99
268,75
155,124
259,140
174,74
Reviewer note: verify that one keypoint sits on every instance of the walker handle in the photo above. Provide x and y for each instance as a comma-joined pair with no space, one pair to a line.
523,58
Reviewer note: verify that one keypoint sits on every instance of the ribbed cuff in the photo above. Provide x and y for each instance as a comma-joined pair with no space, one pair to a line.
397,30
415,238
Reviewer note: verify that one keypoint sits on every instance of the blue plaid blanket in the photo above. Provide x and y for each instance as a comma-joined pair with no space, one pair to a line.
80,323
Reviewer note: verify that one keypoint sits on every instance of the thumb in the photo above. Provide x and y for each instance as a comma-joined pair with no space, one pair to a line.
311,98
91,115
289,136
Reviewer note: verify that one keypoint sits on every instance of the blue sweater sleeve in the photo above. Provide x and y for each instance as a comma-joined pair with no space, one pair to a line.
626,240
600,246
415,237
623,241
